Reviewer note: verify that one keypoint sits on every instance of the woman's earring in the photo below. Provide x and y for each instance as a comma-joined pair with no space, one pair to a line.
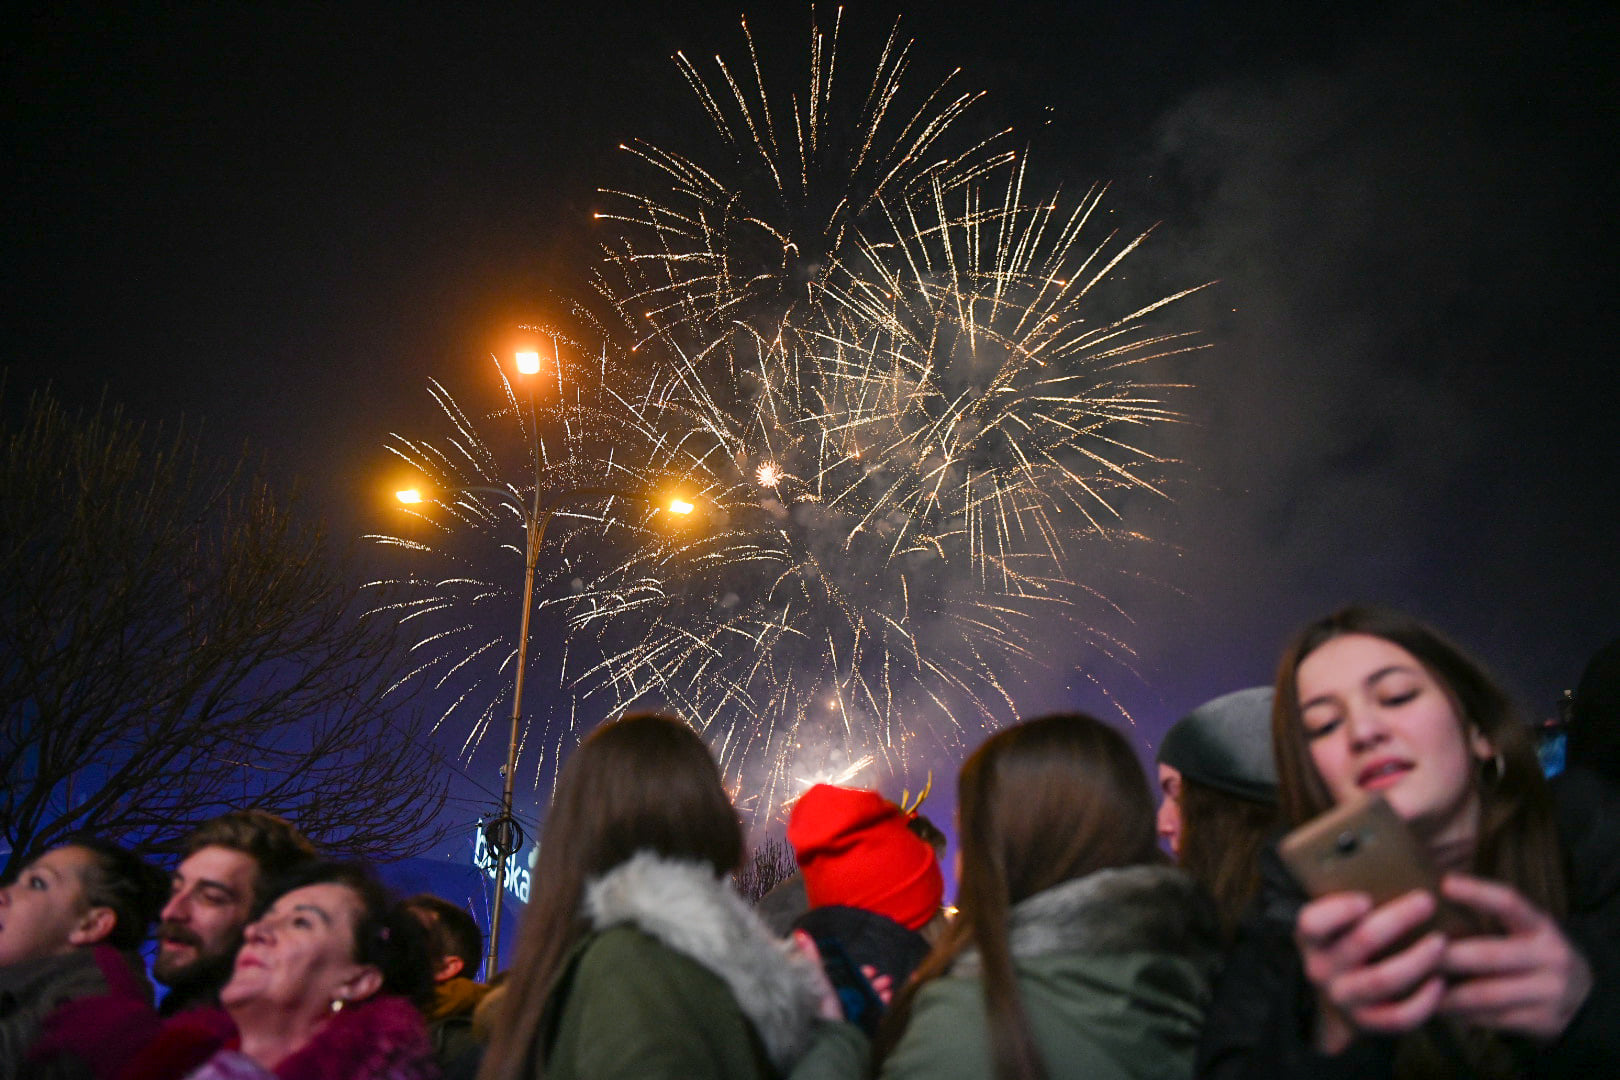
338,1003
1495,769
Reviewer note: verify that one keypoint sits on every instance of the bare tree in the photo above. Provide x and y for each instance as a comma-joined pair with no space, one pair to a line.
768,865
174,642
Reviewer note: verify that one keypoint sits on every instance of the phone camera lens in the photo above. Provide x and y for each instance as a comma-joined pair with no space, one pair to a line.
1346,843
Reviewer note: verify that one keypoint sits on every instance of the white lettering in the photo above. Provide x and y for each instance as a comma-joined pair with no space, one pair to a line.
517,871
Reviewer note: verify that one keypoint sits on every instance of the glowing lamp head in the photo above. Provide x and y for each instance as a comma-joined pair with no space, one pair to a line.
680,506
408,496
528,362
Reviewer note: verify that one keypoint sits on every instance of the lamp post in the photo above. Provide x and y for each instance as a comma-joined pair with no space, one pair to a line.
502,835
505,838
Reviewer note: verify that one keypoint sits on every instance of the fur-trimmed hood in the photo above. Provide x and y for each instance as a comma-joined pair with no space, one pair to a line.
689,908
1127,909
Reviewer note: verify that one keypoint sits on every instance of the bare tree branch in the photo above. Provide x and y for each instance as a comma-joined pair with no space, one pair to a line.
768,865
174,641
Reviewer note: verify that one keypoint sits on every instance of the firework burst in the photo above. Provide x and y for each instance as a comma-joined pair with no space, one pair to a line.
726,253
909,400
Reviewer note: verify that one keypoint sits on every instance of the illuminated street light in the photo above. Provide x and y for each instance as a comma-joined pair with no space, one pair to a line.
528,362
502,835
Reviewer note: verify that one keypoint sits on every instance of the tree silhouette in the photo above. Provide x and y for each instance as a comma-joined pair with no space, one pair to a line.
767,866
174,641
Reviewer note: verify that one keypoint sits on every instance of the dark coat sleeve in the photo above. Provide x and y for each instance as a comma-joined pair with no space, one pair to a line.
1259,1023
1589,826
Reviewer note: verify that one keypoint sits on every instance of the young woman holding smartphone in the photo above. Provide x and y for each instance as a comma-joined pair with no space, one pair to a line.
1375,701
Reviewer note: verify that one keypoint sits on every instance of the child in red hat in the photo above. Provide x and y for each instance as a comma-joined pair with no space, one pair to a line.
872,882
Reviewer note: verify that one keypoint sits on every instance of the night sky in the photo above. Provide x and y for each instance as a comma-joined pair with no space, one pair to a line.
278,222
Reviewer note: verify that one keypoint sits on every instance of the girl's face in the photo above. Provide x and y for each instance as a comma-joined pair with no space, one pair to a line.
1168,821
42,911
1376,720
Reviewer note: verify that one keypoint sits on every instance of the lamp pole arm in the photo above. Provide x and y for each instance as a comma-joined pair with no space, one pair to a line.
535,521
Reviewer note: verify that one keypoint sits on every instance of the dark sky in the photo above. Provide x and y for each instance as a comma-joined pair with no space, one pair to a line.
280,221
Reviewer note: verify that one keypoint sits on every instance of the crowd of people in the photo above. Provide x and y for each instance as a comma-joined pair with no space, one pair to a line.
1101,930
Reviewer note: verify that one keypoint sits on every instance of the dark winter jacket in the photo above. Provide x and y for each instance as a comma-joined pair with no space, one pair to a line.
1114,971
1260,1024
204,995
867,938
33,996
382,1038
450,1019
677,979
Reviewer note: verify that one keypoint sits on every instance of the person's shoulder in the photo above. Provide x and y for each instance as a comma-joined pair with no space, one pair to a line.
1587,808
628,954
947,1034
620,944
1579,795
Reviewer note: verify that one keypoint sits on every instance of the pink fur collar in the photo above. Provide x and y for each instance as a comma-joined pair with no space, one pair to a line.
382,1037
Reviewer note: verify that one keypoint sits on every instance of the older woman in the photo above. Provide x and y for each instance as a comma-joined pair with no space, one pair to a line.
69,927
1375,702
323,987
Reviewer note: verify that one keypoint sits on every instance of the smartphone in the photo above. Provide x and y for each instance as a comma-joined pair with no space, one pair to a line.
1364,846
1360,846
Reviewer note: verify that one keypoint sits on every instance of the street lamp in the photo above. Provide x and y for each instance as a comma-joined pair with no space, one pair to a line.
502,836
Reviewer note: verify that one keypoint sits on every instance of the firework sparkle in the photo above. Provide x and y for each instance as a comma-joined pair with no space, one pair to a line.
908,399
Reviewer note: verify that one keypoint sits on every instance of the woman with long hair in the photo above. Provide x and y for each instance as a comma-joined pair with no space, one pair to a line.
1077,952
636,957
1371,701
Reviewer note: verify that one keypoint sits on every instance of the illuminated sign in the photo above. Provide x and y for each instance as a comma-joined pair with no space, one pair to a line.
519,870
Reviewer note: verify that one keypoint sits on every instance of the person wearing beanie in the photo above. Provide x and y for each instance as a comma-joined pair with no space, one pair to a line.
872,883
1219,795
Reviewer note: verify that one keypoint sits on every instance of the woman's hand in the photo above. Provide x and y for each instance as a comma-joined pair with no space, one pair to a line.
1528,980
1340,935
828,1007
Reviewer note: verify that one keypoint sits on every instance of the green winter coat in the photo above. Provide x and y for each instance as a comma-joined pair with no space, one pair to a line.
1114,970
677,979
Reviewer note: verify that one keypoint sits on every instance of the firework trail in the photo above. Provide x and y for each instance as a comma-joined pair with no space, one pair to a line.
910,400
465,543
726,253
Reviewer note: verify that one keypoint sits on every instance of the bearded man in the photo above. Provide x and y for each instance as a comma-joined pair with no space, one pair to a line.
220,886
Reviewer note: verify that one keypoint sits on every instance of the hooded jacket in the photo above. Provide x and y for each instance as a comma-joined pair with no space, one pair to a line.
678,978
1114,970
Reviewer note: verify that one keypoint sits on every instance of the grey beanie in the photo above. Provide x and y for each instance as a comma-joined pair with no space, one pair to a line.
1226,744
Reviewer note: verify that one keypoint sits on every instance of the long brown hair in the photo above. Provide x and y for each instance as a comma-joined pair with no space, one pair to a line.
1041,803
643,783
1222,837
1518,840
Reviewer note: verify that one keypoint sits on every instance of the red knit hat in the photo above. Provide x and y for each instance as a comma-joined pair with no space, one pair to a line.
855,850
